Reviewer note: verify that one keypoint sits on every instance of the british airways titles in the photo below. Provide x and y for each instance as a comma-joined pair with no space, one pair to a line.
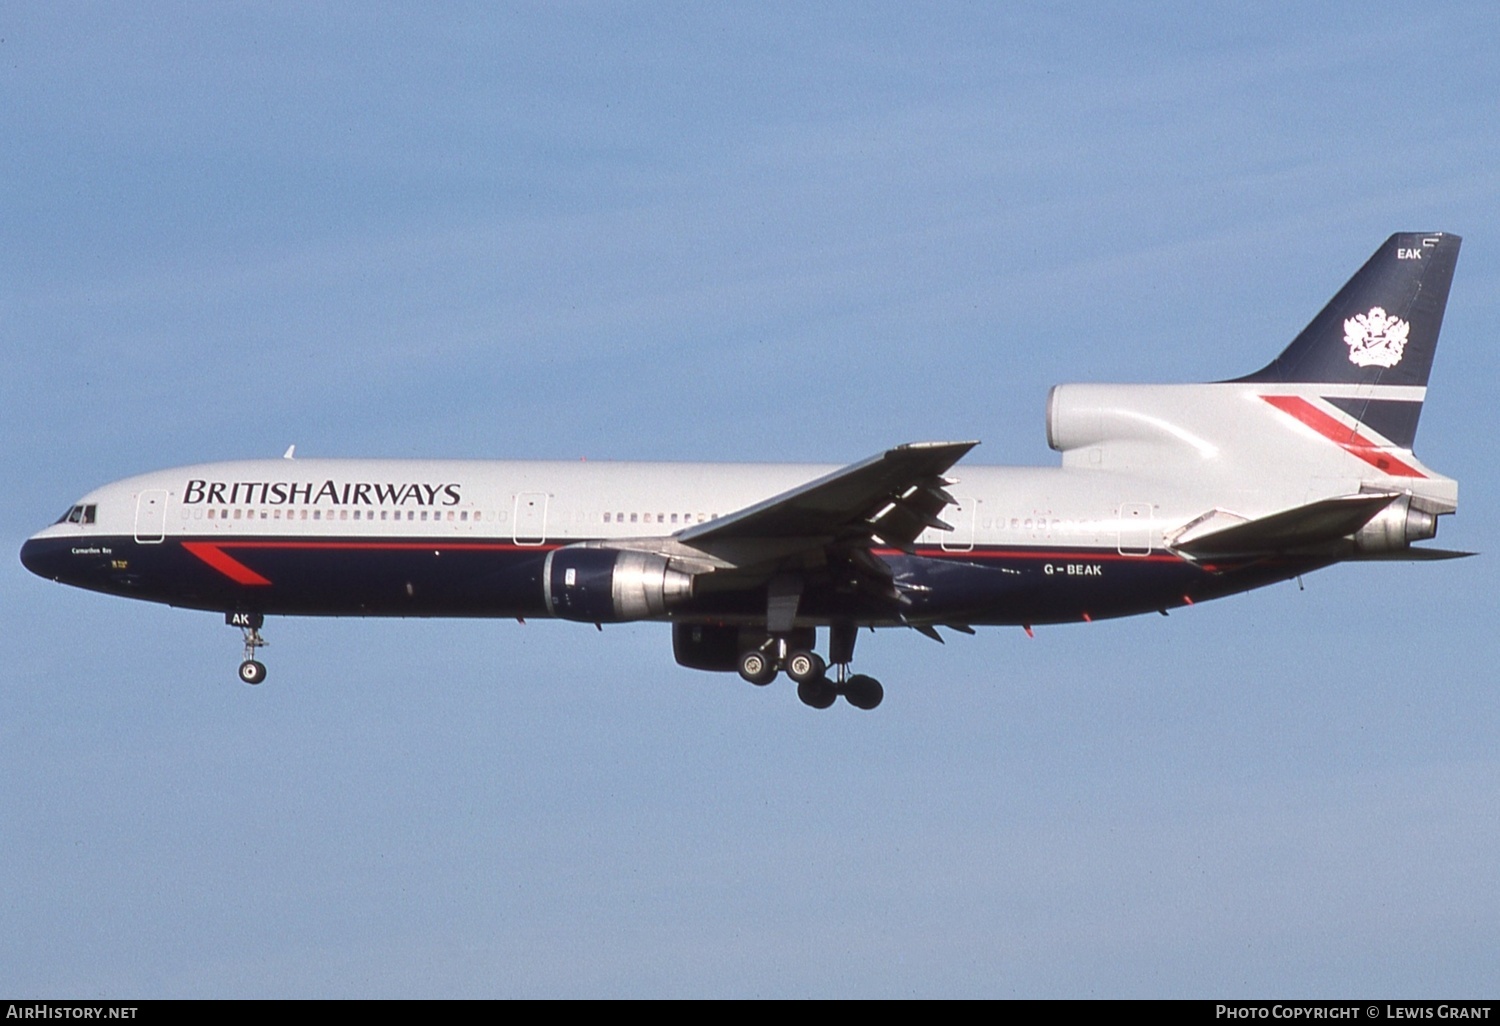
309,493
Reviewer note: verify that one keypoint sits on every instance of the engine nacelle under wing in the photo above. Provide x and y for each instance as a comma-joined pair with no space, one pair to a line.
602,585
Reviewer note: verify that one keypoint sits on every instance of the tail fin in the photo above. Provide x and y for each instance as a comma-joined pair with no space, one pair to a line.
1374,341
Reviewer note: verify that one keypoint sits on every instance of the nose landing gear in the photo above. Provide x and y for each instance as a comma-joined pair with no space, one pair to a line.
252,670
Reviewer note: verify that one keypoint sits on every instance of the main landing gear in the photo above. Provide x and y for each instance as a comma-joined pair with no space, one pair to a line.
252,670
810,672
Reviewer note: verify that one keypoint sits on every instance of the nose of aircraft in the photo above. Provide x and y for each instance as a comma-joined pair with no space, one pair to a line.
39,555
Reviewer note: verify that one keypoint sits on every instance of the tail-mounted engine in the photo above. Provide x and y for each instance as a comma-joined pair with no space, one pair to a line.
1395,527
597,585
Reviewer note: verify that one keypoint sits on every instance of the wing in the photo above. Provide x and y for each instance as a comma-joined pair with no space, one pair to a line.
825,530
888,499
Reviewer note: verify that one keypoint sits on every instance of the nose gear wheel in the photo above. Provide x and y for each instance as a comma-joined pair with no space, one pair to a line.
252,670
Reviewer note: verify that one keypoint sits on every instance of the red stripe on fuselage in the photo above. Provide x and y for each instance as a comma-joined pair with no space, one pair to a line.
1347,438
214,555
391,546
227,565
1077,555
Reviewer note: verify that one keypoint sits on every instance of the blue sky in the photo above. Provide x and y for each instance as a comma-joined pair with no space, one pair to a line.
729,232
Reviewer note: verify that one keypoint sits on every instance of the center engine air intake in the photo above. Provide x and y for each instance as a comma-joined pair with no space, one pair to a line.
597,585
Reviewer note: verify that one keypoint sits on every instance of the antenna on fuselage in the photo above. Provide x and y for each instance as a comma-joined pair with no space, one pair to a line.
291,452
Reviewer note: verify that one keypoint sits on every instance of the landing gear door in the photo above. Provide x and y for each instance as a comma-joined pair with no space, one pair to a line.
150,517
530,521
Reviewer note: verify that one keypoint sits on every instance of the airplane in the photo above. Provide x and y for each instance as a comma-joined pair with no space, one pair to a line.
1165,496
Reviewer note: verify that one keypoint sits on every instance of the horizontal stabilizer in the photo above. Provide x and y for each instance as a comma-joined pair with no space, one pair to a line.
1317,523
1414,555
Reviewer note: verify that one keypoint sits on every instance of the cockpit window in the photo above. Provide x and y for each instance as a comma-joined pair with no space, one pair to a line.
78,515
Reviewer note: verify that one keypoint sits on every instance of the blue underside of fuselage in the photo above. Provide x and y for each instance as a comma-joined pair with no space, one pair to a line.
438,577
